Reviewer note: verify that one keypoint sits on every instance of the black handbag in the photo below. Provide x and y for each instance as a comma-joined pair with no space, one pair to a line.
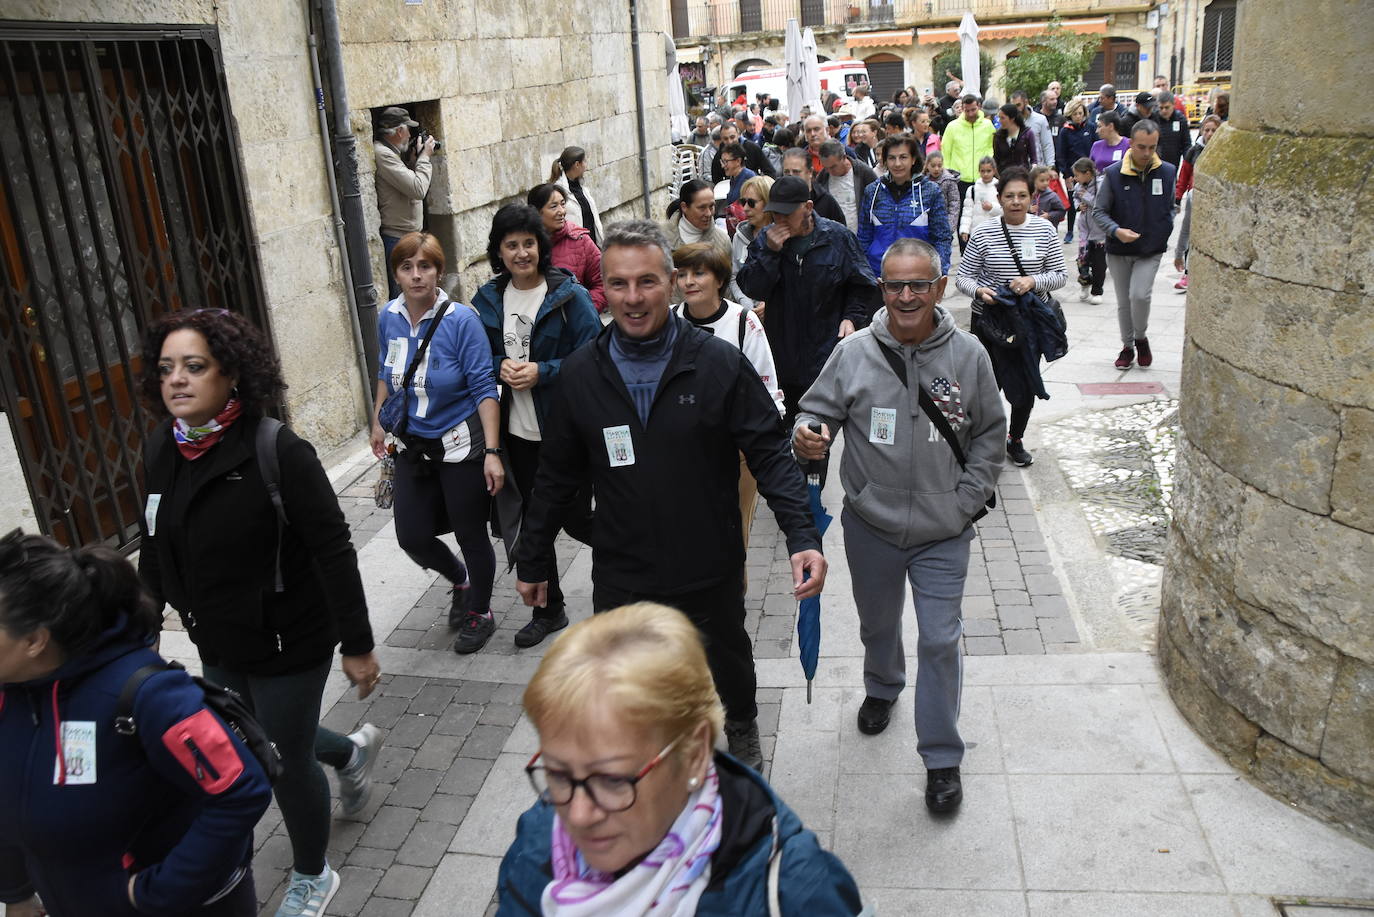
394,414
1060,344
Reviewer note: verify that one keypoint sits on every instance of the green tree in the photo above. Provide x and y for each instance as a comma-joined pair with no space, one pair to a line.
1058,54
949,60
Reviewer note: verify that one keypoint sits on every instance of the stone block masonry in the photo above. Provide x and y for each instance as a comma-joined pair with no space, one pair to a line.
1267,639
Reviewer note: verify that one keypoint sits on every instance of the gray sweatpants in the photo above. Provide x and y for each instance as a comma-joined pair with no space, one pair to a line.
1133,278
936,571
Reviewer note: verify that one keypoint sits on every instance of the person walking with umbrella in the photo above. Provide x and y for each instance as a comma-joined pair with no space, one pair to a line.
924,429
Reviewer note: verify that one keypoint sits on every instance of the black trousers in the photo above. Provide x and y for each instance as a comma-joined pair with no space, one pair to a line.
718,613
963,195
524,462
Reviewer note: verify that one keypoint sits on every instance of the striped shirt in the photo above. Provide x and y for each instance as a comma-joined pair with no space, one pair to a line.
987,262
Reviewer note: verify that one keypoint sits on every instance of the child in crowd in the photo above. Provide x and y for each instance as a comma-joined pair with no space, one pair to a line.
948,182
1092,239
1044,202
980,204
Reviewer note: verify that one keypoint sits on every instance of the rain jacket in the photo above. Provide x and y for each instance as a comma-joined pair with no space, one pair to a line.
916,210
905,482
756,827
565,321
808,297
174,804
965,143
575,252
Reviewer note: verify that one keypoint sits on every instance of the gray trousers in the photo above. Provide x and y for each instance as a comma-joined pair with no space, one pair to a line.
1133,278
936,571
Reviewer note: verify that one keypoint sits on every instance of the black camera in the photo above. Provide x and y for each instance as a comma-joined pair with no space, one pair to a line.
422,135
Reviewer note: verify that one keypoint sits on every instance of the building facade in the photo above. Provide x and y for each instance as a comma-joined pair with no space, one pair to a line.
171,156
900,39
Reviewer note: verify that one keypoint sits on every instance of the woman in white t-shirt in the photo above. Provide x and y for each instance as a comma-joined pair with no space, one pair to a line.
534,314
702,272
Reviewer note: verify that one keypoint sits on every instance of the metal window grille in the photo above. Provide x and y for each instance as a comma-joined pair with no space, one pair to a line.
121,199
1218,37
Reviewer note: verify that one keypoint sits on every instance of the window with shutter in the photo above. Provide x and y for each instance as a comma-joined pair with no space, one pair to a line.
1218,36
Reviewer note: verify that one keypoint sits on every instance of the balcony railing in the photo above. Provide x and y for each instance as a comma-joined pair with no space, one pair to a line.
721,18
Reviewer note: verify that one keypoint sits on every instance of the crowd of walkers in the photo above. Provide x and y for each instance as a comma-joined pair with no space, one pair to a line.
605,380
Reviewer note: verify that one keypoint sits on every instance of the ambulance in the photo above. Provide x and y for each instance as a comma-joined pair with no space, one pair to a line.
837,76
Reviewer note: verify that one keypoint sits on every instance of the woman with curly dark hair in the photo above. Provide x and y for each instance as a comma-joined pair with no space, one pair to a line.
535,314
1012,145
265,602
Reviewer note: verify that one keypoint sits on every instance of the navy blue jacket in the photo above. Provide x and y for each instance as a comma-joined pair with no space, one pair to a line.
1134,201
566,320
808,297
1073,143
180,818
756,824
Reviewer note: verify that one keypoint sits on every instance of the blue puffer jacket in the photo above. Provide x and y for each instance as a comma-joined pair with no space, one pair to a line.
1074,142
566,320
757,826
174,804
915,211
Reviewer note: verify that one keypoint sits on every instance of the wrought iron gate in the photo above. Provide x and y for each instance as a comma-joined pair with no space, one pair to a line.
121,199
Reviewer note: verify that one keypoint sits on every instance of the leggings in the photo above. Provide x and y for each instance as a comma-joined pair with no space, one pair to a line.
437,497
524,462
288,707
1020,416
1069,220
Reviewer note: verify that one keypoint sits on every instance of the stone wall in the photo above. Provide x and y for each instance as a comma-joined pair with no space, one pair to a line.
511,83
1267,632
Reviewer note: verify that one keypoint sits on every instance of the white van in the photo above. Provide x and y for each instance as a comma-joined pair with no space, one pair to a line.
837,76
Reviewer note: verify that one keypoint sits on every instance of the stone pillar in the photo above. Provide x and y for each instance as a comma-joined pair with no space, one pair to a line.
1267,624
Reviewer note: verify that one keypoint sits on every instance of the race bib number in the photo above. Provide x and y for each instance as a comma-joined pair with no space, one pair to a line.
1157,186
1028,249
882,426
394,351
620,447
1175,123
78,753
1054,132
1116,155
150,513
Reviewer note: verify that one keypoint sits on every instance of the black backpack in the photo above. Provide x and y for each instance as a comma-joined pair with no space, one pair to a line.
226,704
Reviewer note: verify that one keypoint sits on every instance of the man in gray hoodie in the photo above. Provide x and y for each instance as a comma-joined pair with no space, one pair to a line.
910,500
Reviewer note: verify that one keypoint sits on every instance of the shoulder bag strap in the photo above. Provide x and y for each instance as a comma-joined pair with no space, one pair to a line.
419,354
269,465
124,707
743,324
927,403
1006,234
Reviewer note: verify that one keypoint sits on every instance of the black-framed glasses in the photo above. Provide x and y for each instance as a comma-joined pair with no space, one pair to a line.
749,202
727,162
608,792
919,287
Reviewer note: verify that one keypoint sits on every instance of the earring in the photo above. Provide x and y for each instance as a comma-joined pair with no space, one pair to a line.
692,784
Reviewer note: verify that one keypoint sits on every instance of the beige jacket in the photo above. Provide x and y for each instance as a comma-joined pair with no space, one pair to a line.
400,190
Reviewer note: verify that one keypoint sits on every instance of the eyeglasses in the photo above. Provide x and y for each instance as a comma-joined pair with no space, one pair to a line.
919,287
728,162
608,792
749,202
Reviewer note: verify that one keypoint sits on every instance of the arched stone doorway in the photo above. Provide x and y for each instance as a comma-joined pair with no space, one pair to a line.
751,63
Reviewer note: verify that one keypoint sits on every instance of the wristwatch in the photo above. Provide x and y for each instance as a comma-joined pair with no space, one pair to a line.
497,451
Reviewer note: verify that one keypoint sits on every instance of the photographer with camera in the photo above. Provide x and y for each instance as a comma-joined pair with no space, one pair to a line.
403,176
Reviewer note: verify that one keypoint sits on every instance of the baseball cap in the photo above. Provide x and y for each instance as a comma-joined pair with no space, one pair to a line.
788,193
845,110
1144,98
396,116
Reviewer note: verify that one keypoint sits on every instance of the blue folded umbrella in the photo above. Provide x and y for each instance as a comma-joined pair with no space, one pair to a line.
809,610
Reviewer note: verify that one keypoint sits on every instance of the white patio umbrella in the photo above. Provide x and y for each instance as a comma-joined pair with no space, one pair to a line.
795,68
968,55
677,102
811,79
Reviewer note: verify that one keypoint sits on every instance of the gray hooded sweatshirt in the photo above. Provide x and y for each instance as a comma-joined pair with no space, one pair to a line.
899,474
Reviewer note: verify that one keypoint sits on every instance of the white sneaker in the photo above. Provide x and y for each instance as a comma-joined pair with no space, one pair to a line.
1083,294
308,896
355,780
1095,300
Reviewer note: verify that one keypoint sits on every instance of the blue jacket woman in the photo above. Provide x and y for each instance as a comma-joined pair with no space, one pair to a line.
90,817
535,315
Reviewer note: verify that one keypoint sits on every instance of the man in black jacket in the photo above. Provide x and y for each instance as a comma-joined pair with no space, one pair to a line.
655,413
796,163
1174,136
754,160
817,284
844,179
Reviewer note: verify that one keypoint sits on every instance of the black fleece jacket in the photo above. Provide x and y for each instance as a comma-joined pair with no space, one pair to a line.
667,491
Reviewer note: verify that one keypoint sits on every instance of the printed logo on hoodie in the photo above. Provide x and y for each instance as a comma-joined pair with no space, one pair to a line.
946,395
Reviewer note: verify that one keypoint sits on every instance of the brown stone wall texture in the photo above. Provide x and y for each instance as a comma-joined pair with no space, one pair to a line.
1267,627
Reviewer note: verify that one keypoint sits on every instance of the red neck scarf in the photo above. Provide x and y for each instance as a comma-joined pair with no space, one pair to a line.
193,442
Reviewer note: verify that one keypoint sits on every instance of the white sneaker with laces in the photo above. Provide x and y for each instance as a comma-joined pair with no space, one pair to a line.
355,780
308,896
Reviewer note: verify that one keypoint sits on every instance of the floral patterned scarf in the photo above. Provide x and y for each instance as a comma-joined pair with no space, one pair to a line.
193,442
